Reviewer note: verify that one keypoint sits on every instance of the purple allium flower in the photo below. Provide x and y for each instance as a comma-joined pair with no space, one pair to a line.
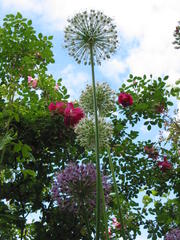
74,188
173,234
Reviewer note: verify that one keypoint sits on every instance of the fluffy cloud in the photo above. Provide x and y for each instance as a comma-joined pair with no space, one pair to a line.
74,81
151,23
112,69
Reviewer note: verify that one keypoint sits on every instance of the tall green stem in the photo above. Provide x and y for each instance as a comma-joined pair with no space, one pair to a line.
87,223
98,187
105,218
117,195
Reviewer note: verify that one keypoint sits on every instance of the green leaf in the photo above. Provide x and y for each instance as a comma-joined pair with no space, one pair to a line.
28,172
169,103
147,200
5,140
130,76
149,127
166,77
40,35
154,192
29,22
16,116
18,15
17,147
25,150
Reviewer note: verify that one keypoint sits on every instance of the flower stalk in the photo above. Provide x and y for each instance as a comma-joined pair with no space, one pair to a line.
117,195
98,176
105,218
90,38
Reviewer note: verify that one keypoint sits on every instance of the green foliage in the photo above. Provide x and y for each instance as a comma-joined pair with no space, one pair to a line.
150,100
35,144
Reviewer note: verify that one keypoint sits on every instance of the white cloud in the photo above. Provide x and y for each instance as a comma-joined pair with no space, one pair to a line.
32,6
113,68
150,22
74,81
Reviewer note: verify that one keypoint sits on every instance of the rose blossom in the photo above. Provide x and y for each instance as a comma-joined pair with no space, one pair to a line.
32,82
125,99
164,165
72,115
116,223
151,151
60,107
56,87
52,107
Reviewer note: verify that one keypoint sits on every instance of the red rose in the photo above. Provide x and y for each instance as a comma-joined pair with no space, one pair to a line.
72,115
60,107
164,165
159,108
52,107
125,99
151,151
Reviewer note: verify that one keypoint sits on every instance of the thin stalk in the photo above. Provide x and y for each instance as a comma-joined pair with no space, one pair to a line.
116,191
105,218
98,187
87,223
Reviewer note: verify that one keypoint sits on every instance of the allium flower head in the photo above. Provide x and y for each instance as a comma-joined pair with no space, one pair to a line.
75,187
105,99
174,234
85,131
90,29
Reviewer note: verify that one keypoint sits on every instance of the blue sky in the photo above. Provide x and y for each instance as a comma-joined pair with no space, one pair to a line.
145,30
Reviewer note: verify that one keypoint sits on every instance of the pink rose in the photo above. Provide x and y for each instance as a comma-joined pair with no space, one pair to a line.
32,82
56,87
116,223
29,79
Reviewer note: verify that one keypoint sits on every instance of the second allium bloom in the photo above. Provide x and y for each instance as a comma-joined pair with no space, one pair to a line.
105,99
85,131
